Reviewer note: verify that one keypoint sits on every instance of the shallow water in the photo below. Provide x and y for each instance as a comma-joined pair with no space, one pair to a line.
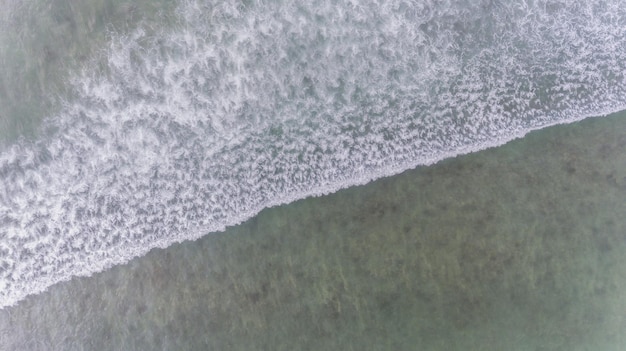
162,122
521,247
129,126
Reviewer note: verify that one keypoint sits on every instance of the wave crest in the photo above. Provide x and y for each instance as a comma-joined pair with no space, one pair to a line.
188,130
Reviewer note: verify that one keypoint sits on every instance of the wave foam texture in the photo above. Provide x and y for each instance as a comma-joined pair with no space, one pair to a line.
245,106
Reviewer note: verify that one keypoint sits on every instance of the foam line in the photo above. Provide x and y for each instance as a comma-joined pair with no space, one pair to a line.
238,108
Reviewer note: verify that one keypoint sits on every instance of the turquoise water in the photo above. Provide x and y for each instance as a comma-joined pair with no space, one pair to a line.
129,126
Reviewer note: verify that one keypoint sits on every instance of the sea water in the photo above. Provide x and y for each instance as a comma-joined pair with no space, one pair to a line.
171,129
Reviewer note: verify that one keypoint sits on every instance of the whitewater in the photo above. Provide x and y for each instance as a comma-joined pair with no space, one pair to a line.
243,105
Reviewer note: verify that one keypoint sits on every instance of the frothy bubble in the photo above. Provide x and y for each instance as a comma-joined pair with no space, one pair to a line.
244,106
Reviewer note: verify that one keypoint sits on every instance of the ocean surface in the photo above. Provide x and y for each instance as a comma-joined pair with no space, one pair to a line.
128,126
521,247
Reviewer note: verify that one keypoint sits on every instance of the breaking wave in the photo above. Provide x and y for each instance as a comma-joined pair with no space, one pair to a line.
241,105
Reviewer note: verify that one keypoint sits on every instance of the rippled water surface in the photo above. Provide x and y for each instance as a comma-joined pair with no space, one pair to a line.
133,125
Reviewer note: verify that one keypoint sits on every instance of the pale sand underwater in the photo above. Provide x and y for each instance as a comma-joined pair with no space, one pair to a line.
521,247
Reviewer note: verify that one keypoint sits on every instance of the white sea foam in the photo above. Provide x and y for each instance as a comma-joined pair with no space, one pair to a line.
244,106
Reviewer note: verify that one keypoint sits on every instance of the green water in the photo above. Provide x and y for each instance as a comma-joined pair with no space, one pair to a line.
521,247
